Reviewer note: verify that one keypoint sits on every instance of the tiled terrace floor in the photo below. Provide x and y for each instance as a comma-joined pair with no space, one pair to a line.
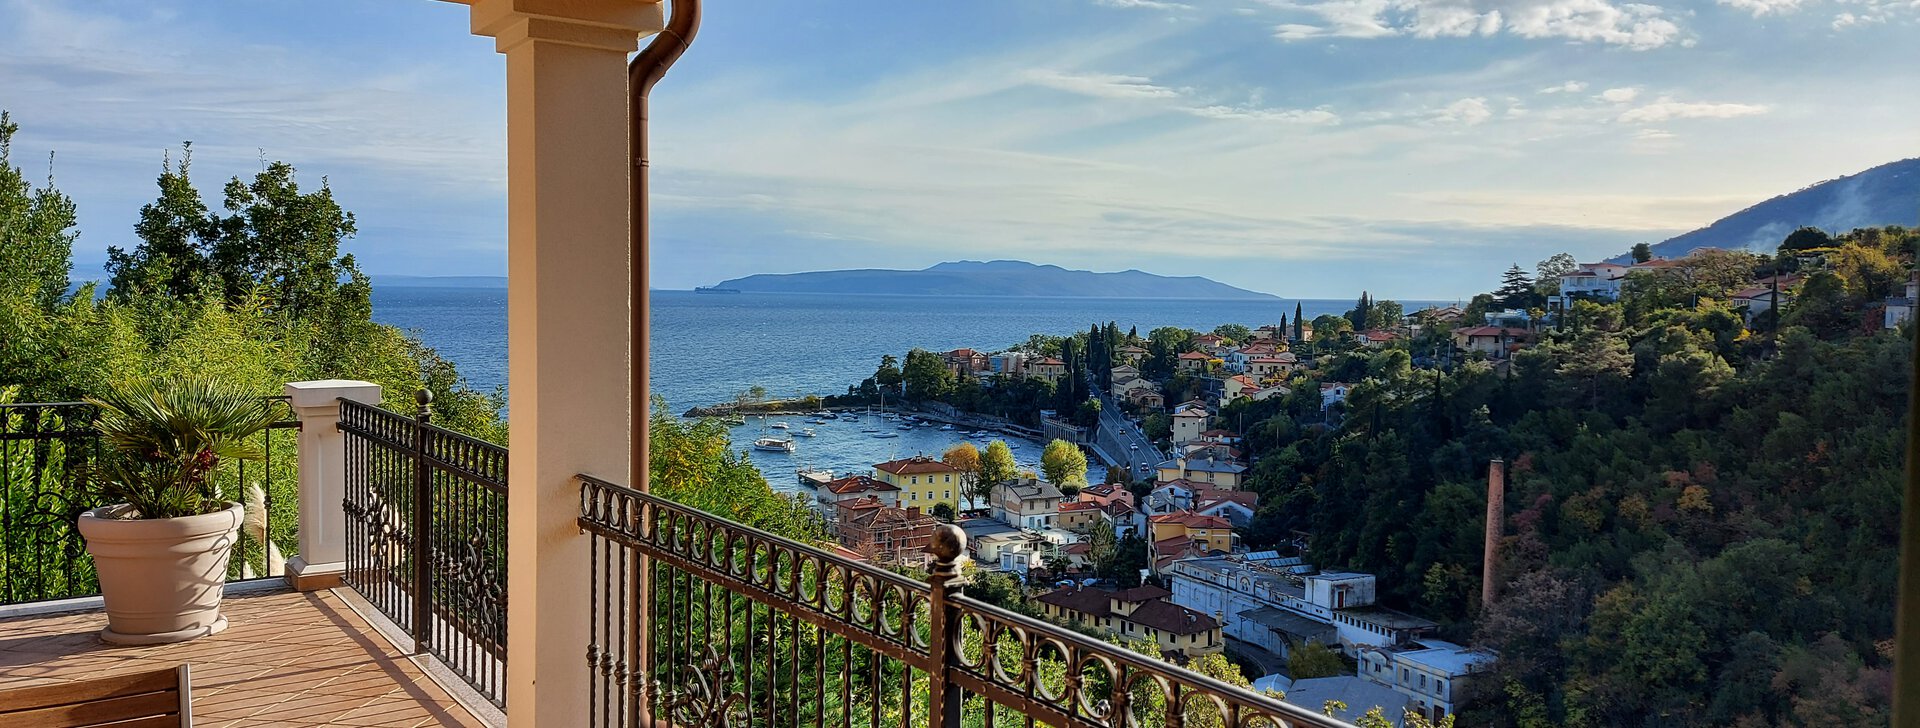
288,659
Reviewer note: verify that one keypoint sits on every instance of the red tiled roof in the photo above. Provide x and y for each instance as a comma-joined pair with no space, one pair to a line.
1050,361
1193,520
858,484
1194,355
915,466
1489,331
1172,618
1079,506
1206,497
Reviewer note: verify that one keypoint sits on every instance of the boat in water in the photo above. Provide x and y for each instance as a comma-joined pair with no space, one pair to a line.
885,435
779,425
946,428
714,289
773,444
807,432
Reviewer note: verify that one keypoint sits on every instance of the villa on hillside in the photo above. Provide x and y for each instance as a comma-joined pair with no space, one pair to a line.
1496,342
883,533
1026,503
1217,473
854,487
1142,612
923,481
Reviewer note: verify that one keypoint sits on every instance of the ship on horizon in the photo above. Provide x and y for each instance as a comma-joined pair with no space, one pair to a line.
714,289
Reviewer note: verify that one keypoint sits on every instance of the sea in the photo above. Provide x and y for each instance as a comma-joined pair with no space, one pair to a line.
708,348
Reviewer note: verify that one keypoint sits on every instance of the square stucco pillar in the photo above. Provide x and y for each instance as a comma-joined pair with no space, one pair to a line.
323,479
567,319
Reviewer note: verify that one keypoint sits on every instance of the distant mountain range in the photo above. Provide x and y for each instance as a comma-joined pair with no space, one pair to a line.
992,278
1885,195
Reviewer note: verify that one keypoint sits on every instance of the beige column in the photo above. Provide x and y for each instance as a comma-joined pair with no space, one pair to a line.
323,479
567,310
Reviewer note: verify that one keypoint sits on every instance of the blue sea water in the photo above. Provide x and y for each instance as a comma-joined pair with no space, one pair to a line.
707,348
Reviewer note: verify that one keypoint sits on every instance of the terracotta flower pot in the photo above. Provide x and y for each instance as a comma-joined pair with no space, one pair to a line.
161,579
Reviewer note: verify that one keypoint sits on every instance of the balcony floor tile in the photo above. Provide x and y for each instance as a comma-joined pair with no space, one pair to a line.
288,659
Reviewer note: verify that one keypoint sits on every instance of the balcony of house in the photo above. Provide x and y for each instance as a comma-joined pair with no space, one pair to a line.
687,618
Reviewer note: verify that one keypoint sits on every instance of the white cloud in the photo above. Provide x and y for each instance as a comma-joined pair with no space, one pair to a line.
1469,112
1619,95
1153,4
1666,110
1101,85
1632,25
1762,7
1570,87
1343,18
1652,134
1322,116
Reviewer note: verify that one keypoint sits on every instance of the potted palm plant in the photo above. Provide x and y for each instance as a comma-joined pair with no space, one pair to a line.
161,546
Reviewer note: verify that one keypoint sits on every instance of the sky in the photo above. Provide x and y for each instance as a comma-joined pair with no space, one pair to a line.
1307,148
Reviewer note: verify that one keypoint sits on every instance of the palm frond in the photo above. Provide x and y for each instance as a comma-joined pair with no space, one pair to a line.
169,437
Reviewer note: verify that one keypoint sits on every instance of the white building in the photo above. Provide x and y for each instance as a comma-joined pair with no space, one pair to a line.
1267,605
1900,309
1429,672
1591,280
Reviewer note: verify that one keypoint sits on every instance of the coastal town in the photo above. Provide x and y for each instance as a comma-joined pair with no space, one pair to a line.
1159,549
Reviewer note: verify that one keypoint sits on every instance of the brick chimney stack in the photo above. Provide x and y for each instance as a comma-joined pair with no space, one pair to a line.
1496,529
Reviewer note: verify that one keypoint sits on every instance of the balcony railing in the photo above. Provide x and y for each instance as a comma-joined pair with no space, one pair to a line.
426,511
696,620
46,449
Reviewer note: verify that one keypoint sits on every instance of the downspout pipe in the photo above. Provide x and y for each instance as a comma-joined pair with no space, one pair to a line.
646,69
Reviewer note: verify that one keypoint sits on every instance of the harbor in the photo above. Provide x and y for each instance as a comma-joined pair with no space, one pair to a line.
849,442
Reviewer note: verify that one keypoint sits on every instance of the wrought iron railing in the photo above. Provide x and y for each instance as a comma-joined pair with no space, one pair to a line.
426,512
696,620
46,449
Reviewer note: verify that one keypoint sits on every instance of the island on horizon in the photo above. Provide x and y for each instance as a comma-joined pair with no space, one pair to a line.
991,278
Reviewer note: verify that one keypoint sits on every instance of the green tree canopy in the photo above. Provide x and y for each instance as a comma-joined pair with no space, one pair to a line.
1063,463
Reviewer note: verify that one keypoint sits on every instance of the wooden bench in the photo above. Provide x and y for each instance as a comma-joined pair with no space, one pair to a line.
134,700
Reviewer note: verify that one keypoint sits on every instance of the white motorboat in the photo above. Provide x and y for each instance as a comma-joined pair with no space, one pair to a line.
885,435
773,444
779,425
806,432
946,428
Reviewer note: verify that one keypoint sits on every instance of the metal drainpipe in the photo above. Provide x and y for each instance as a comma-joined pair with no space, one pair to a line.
645,70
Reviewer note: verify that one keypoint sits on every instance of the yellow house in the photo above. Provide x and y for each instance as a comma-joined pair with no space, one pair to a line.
1142,612
1050,369
1214,531
923,481
1210,471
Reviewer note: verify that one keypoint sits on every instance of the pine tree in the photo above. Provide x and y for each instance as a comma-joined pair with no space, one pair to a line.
1299,331
1516,289
1361,310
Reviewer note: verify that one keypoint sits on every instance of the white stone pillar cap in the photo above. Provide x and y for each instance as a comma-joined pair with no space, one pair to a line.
325,392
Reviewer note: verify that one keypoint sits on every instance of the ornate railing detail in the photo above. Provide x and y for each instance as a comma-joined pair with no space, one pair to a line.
696,620
46,450
426,536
